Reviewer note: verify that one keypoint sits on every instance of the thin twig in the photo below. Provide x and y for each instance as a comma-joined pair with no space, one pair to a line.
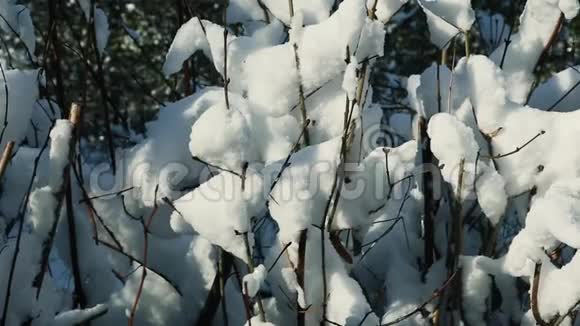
519,148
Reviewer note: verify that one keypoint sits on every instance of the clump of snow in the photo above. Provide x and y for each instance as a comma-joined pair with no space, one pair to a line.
220,210
60,145
190,37
350,81
253,281
314,11
447,18
476,288
271,74
452,142
101,29
74,317
539,21
240,11
42,206
385,9
491,195
230,151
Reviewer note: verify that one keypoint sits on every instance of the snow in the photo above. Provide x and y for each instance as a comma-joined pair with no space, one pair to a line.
559,93
230,151
271,75
101,23
447,18
244,11
257,322
314,11
476,288
385,9
299,203
26,30
60,145
493,28
222,201
452,142
22,93
537,25
432,91
519,125
101,29
569,8
17,19
220,169
350,81
557,288
491,195
74,317
372,40
85,7
253,281
189,38
560,203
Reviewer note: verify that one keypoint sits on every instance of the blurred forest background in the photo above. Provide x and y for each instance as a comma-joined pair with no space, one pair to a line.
128,86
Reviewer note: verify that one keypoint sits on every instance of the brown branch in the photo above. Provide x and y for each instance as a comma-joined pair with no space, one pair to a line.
534,296
146,224
6,106
140,262
301,317
6,157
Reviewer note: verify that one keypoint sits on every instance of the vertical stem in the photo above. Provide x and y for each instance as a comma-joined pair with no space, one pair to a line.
251,270
291,7
79,299
56,51
187,88
301,97
301,317
102,89
534,295
222,285
226,78
428,201
467,45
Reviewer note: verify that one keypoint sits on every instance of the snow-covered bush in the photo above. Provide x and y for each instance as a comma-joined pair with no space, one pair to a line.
268,201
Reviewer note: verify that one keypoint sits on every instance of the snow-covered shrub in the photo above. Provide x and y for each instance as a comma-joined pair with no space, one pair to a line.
265,201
